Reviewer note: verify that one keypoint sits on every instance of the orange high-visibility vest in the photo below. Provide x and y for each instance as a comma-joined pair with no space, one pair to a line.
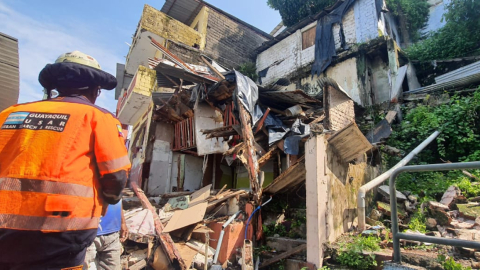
52,155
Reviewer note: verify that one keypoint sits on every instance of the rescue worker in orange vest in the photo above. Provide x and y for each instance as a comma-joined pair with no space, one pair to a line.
62,161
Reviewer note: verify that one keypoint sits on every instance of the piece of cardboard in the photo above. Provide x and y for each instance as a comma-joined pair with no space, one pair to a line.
189,216
186,253
200,195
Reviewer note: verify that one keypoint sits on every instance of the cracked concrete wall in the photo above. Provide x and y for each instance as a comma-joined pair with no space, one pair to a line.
332,187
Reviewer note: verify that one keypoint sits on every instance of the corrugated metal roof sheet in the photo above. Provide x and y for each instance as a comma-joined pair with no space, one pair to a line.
462,72
449,85
9,74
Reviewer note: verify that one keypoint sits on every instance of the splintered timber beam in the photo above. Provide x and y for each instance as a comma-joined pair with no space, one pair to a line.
265,158
220,132
251,156
166,242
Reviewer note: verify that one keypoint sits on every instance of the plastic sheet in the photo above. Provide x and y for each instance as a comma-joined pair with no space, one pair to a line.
247,92
324,40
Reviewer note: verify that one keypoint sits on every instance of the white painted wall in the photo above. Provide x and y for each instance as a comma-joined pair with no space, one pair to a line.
366,20
160,169
360,24
208,118
193,172
140,50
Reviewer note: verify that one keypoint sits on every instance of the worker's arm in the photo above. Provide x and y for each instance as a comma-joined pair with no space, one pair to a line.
111,156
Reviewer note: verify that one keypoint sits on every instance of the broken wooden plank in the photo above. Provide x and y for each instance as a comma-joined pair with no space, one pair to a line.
234,150
212,204
318,120
390,116
221,132
212,68
262,121
265,158
166,242
251,156
349,142
284,255
291,177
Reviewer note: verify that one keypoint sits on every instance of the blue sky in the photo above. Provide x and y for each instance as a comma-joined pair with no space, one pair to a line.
101,28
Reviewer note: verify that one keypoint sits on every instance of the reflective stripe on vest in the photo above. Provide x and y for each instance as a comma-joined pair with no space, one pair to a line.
113,165
30,204
44,186
47,223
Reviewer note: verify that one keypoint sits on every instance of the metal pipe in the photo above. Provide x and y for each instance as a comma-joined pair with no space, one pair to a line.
384,176
251,216
393,205
219,245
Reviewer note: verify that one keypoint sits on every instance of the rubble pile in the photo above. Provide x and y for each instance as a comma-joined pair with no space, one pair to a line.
455,216
229,121
191,222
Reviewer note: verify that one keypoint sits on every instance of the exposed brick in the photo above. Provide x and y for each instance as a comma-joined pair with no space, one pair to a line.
227,39
159,23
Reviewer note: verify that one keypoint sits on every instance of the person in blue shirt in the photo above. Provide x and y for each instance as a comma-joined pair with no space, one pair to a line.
105,251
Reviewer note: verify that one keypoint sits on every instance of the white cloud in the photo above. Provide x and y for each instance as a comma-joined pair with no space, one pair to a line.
42,42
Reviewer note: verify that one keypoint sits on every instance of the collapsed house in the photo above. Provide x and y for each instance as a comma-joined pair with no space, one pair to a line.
197,124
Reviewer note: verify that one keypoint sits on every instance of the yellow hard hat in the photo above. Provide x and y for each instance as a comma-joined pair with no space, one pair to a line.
79,58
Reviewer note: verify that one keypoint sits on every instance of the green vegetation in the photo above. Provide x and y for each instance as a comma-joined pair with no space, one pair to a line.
293,11
450,264
459,141
351,254
249,69
417,222
459,37
414,12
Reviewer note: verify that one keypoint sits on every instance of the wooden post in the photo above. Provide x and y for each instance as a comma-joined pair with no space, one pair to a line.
250,153
166,242
317,198
207,244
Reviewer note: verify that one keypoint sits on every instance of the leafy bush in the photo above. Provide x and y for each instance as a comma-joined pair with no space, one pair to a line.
249,69
458,122
415,12
417,222
450,264
467,188
459,37
351,254
458,141
293,11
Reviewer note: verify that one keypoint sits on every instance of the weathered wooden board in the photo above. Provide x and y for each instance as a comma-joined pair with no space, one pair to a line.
349,142
288,179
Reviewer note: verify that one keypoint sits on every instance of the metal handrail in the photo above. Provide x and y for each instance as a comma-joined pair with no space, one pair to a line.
362,192
422,238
